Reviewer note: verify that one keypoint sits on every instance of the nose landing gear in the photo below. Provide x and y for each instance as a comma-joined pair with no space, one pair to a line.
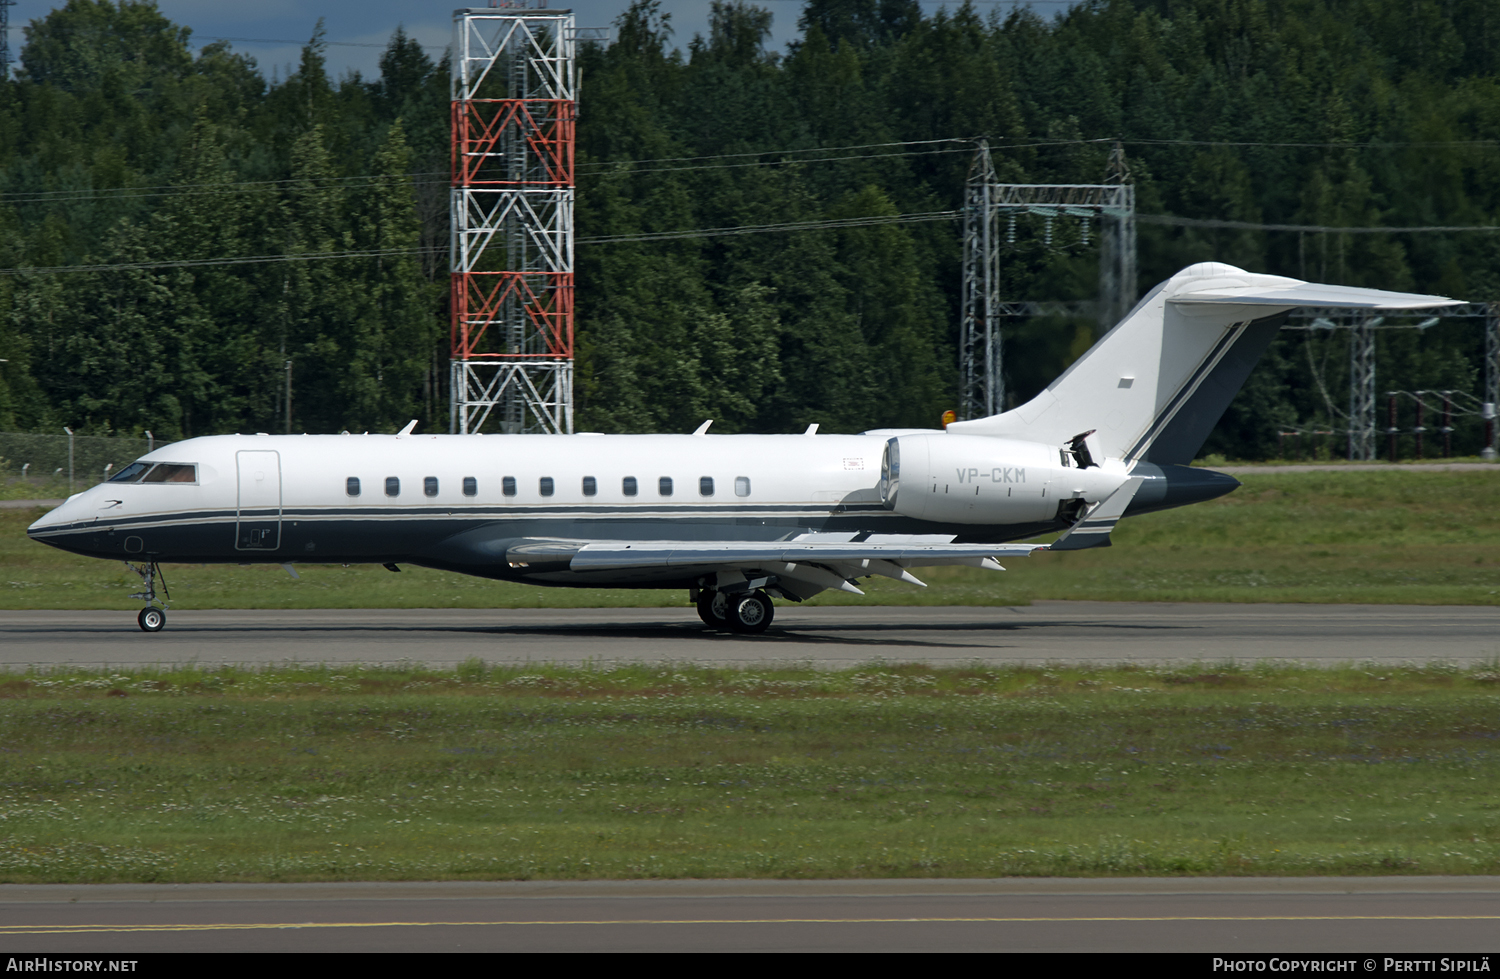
151,619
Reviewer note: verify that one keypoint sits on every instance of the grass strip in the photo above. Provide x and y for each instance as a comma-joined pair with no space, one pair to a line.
886,770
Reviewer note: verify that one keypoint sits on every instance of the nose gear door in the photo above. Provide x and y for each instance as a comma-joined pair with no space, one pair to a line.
258,520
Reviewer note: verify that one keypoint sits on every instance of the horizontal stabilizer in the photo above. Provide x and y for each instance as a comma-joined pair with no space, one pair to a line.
1294,293
1095,526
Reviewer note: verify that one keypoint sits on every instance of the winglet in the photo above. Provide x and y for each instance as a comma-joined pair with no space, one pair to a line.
410,427
811,429
703,429
1098,522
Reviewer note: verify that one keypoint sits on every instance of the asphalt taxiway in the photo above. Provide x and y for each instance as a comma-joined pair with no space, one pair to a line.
1362,916
1101,632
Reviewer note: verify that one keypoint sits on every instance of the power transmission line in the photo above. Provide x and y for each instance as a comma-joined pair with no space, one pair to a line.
1173,220
721,232
962,144
337,44
1367,144
262,186
830,223
231,187
967,140
604,168
240,260
753,229
191,39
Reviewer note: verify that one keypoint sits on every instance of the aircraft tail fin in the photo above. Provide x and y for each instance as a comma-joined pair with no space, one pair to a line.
1154,386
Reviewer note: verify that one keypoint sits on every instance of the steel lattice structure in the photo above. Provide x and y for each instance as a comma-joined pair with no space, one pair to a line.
1362,390
980,340
1491,376
5,6
1362,429
514,113
1115,204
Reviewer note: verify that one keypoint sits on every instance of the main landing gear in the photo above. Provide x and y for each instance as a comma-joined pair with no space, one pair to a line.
745,612
151,619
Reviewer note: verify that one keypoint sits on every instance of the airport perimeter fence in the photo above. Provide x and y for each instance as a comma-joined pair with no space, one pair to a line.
49,466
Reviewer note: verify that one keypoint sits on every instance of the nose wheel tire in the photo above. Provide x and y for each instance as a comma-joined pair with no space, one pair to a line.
151,619
750,613
712,608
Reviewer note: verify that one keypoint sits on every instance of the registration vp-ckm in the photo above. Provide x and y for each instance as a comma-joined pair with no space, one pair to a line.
998,474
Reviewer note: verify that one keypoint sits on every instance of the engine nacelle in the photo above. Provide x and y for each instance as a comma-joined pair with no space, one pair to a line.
975,479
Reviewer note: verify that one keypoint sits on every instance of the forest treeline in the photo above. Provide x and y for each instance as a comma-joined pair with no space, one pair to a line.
123,146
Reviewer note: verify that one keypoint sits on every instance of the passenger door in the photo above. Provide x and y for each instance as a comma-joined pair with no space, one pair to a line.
258,520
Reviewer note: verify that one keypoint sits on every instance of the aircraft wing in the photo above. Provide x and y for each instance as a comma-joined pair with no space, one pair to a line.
802,566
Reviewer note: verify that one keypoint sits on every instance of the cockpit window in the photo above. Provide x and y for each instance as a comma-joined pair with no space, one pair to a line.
172,472
130,473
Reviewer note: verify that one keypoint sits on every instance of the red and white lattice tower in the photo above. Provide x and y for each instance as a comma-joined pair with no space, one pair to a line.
514,110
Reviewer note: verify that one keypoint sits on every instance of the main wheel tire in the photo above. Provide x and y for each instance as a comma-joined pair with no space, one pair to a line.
750,613
712,607
151,619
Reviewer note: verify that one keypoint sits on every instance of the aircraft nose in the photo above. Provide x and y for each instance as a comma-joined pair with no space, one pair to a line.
44,522
58,516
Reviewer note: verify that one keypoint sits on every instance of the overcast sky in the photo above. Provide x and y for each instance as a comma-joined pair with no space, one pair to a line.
273,31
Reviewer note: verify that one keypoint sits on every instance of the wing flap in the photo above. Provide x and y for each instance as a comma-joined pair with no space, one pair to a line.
614,556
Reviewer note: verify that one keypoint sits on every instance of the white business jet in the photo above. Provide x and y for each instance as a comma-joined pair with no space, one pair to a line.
734,519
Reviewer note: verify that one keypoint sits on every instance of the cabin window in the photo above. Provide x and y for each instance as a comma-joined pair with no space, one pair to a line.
742,486
351,486
664,486
705,486
545,485
429,486
590,486
471,486
130,473
168,472
628,486
392,486
508,486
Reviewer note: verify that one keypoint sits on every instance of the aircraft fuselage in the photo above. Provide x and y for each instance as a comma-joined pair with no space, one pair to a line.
463,503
